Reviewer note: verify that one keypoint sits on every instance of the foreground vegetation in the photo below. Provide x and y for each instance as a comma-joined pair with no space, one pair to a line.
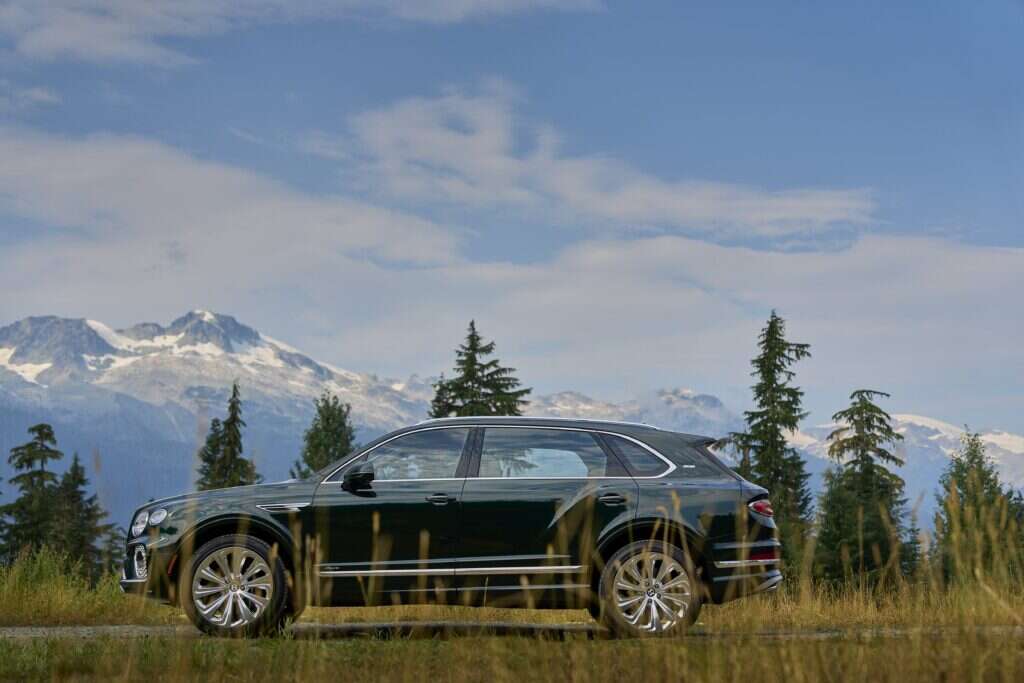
924,630
913,658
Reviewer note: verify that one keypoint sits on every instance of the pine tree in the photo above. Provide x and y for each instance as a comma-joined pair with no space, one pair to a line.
479,387
861,509
209,457
78,520
978,518
443,404
112,549
767,459
328,439
28,521
221,461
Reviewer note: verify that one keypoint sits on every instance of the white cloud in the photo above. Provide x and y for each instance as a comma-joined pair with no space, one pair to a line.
124,216
139,31
15,99
131,230
471,149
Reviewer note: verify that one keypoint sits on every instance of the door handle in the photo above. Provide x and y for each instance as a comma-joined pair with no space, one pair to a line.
440,499
612,499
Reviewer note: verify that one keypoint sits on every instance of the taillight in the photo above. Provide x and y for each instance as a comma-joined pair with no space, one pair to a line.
762,507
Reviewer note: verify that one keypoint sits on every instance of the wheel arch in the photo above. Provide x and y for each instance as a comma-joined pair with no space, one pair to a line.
646,529
233,524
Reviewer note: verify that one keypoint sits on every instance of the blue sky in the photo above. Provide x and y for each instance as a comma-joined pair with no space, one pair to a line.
619,192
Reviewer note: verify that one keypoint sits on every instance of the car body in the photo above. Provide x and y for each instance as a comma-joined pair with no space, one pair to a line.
503,511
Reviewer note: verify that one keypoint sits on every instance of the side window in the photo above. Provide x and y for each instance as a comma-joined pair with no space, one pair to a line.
430,454
510,452
638,460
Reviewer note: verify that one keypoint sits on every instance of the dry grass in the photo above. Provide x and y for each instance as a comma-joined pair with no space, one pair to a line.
914,658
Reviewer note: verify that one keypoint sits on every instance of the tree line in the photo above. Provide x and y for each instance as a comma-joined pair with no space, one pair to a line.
859,527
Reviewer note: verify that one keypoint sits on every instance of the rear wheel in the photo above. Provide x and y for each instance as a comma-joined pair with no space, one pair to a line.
649,588
235,586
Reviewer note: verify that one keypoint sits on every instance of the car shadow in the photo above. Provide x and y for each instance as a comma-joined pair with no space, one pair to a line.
441,629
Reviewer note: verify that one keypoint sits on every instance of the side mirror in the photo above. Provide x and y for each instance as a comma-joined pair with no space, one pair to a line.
358,478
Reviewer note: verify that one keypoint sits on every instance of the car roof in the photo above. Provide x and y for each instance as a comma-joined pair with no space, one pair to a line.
618,426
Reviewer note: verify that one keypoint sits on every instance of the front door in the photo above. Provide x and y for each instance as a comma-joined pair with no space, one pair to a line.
395,541
533,508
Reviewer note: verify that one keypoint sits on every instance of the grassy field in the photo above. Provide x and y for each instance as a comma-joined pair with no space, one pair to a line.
914,631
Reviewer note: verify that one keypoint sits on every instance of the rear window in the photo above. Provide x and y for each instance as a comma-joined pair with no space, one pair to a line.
639,461
690,458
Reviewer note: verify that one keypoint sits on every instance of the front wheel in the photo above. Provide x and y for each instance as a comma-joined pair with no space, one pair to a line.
649,588
235,586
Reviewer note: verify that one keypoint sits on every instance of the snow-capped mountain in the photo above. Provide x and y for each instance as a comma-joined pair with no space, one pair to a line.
135,403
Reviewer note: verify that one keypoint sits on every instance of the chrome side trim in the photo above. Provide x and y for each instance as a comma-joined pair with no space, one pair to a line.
455,571
505,571
283,507
723,564
770,543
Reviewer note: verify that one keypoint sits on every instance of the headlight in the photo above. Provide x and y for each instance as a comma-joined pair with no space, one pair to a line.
139,525
157,516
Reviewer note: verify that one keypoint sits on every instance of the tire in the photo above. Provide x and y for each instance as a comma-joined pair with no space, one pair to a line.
250,600
649,588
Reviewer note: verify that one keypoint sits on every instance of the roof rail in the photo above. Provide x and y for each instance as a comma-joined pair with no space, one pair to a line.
535,417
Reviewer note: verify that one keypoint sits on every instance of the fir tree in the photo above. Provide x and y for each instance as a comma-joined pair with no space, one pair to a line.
328,439
209,457
78,520
766,457
479,387
29,520
978,517
221,460
861,509
443,404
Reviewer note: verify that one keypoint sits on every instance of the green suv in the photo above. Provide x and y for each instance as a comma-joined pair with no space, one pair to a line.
638,525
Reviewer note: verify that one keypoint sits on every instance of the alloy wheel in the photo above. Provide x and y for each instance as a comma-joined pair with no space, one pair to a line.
232,587
652,591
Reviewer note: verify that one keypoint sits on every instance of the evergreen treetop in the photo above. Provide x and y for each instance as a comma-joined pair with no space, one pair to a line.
78,520
221,463
329,438
479,386
28,521
768,459
864,431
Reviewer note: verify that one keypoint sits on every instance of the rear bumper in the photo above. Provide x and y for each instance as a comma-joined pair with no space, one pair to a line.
744,582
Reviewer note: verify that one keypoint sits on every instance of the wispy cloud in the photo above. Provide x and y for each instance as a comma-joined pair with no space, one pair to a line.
141,32
473,149
14,98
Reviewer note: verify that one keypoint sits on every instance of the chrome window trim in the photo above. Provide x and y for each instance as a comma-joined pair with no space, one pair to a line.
672,467
481,418
453,571
355,457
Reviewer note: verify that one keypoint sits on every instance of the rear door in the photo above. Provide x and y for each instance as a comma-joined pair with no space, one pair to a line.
535,502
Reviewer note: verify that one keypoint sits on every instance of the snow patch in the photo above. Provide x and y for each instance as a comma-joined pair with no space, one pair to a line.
943,428
258,355
1008,442
800,439
28,371
109,362
109,335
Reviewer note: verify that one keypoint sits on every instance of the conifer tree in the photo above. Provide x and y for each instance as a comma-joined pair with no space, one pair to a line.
78,520
861,530
328,439
767,458
222,463
978,518
479,387
28,521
